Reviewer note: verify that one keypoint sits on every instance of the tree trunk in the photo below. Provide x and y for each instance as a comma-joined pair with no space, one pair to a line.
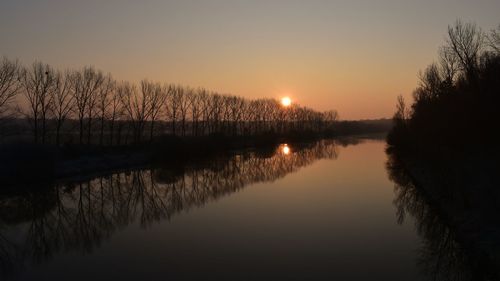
81,130
101,137
152,130
58,129
111,131
89,134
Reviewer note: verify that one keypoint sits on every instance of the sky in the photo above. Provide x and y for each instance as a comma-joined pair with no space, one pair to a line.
352,56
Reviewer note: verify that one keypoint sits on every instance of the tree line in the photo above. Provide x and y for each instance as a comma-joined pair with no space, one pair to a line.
456,102
86,106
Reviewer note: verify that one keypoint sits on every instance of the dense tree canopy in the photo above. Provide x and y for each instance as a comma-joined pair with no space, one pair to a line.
456,102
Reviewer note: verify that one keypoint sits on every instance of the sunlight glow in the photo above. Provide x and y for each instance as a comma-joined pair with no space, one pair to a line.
285,149
286,101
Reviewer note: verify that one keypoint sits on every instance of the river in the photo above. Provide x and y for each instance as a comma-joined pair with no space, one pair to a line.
318,211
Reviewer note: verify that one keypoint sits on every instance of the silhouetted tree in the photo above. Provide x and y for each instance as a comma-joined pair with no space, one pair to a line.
449,65
62,102
456,100
115,111
194,98
467,42
136,106
156,96
39,84
104,100
86,97
9,82
183,100
494,39
85,84
173,104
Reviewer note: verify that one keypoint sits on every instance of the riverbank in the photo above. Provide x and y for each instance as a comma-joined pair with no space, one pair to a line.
28,164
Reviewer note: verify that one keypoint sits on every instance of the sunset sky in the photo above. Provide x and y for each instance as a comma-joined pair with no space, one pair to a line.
353,56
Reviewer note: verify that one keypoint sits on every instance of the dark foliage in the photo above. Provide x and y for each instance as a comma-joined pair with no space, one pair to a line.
456,104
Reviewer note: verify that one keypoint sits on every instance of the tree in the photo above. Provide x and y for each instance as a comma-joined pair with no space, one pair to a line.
155,97
204,100
62,101
401,114
330,118
184,105
84,85
104,93
466,41
9,82
93,96
194,100
93,99
115,111
39,84
215,112
430,83
448,65
494,39
136,106
173,105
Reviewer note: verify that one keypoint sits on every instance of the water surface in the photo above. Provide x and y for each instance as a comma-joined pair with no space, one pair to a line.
314,211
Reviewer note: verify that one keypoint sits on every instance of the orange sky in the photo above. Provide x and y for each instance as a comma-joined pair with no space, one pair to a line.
353,56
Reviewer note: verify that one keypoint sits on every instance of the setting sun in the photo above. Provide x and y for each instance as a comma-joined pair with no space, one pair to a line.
285,149
286,101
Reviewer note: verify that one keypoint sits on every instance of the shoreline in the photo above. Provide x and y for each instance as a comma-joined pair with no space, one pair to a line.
30,164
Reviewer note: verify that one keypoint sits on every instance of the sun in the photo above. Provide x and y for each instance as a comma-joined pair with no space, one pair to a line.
285,149
286,101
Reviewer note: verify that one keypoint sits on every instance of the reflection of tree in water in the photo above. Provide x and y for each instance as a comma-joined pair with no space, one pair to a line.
80,216
443,254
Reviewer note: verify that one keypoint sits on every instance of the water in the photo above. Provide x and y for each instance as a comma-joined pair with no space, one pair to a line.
321,211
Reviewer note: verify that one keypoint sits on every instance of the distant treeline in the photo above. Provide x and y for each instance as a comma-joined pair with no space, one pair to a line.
85,106
361,127
456,104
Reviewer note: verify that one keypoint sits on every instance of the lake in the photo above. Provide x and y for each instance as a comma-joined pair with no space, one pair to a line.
317,211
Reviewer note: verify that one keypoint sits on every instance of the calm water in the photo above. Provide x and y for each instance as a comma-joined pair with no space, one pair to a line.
320,211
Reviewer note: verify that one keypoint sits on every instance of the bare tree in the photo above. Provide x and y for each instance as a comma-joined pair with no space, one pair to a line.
136,107
84,86
94,98
330,118
430,82
402,114
236,106
39,83
62,101
494,39
184,105
194,101
173,105
449,65
466,40
116,110
204,100
156,97
104,100
9,82
215,112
